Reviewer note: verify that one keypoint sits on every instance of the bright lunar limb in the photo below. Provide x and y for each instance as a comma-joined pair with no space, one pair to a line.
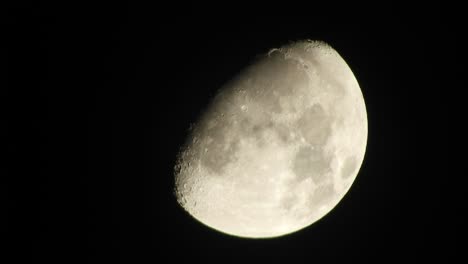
279,145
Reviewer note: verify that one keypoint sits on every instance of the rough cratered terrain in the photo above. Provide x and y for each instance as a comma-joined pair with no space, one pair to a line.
279,145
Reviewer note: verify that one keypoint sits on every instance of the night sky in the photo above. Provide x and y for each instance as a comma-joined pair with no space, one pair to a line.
99,99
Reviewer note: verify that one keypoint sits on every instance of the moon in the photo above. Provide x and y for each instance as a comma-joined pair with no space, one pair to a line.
278,146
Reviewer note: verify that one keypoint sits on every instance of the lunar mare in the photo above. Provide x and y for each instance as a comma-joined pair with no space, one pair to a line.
279,145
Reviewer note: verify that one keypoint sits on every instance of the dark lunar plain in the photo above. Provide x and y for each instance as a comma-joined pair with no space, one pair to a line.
98,100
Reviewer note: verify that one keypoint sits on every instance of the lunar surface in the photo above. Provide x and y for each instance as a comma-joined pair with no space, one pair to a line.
279,145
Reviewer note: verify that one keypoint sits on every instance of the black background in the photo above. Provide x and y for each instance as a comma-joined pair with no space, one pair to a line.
98,100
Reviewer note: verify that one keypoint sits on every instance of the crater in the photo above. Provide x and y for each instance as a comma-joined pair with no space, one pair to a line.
349,167
311,162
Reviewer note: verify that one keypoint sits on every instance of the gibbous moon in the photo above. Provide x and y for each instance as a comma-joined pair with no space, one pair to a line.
279,145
